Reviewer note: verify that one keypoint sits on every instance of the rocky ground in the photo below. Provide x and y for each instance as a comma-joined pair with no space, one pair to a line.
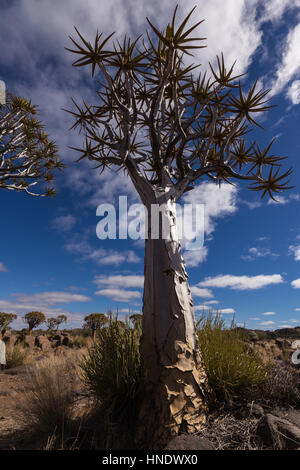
271,420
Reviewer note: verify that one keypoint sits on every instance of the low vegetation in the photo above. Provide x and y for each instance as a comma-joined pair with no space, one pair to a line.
47,406
232,367
86,397
16,356
112,370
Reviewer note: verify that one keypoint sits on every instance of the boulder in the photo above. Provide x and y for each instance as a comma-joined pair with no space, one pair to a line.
256,410
189,442
43,343
29,341
9,339
57,337
278,432
67,341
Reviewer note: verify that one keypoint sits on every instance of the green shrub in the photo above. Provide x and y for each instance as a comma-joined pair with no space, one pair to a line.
232,368
111,368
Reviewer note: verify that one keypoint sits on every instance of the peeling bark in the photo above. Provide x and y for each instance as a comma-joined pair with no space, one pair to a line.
173,397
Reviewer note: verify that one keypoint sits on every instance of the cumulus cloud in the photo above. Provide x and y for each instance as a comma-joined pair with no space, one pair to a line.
36,49
269,313
199,292
227,311
295,250
47,302
121,295
242,282
217,204
296,283
119,280
267,323
102,256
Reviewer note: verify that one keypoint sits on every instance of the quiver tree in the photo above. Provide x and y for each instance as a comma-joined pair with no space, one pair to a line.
54,322
27,155
34,319
94,322
5,320
169,126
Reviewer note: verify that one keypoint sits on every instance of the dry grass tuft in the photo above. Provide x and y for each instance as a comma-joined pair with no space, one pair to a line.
17,355
47,406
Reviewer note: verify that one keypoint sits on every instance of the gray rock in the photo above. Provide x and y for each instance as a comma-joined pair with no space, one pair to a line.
279,432
256,410
189,442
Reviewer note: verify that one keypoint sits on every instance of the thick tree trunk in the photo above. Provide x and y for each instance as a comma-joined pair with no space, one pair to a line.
173,398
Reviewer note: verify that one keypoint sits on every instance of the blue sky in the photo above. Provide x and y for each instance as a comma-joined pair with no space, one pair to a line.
50,256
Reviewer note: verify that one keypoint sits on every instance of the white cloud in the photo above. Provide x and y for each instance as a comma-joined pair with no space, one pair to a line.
229,26
2,268
218,203
295,249
63,223
198,292
254,252
254,319
293,92
120,295
195,257
290,62
242,282
119,280
45,302
296,283
280,201
283,200
269,313
267,323
225,311
274,9
79,245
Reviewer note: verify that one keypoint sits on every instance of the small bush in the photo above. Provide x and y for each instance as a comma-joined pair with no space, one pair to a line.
111,369
282,387
16,355
47,406
232,368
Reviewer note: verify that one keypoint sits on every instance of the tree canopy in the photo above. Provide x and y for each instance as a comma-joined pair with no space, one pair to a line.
6,319
165,123
34,319
27,155
54,322
95,321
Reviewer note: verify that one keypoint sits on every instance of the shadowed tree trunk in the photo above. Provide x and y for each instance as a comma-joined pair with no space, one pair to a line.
175,389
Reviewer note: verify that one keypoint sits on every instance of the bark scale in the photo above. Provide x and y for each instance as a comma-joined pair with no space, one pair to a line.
175,389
